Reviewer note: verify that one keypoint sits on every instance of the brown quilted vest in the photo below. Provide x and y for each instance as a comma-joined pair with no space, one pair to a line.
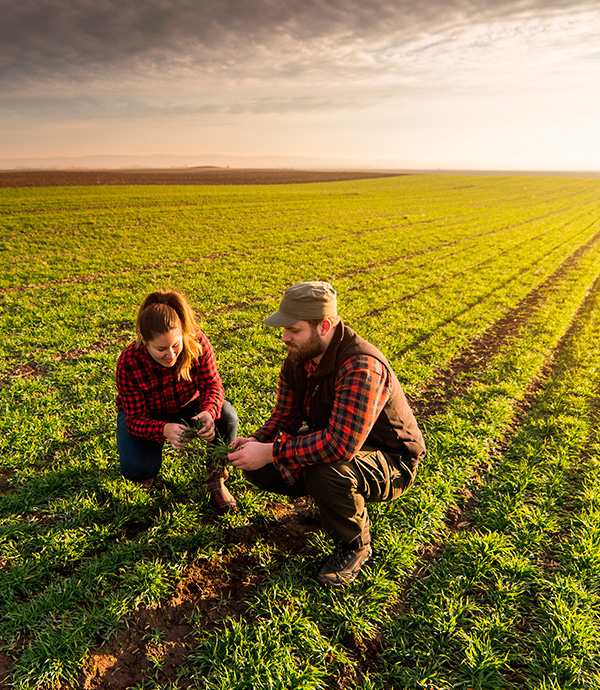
395,430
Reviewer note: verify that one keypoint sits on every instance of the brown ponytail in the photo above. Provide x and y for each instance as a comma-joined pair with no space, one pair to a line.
160,313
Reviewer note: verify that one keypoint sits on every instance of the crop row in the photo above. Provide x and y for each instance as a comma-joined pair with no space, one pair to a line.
134,227
483,315
515,594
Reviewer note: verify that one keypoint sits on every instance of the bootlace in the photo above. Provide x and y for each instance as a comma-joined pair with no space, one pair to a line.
339,557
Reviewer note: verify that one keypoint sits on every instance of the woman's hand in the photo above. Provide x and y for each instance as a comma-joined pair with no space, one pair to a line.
207,432
172,432
251,455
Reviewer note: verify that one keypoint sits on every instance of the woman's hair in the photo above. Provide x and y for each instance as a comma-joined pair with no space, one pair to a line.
160,313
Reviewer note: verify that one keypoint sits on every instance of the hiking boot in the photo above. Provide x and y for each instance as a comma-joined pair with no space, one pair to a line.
344,565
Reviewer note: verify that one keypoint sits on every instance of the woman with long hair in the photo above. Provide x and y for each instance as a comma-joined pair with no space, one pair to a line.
168,377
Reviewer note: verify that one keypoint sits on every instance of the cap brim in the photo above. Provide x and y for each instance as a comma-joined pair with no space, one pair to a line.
279,319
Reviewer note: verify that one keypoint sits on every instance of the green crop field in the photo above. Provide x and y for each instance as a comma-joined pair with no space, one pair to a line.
484,293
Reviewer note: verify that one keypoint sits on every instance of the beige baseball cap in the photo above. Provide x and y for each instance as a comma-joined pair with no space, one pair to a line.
304,301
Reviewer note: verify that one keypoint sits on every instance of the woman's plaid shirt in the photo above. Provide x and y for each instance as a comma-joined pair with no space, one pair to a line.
152,395
362,388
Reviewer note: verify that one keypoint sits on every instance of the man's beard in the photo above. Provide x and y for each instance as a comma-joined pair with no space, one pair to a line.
312,348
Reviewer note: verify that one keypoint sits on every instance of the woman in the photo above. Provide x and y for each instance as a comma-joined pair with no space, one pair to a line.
168,376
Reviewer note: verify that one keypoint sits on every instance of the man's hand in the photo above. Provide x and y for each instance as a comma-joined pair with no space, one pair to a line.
207,432
239,441
249,454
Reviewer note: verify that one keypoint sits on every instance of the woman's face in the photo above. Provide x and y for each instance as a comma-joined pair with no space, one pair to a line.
164,348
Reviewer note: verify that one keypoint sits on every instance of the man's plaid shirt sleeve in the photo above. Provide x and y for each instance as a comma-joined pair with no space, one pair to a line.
362,388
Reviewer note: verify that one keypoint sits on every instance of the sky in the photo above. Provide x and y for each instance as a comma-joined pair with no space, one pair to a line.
482,84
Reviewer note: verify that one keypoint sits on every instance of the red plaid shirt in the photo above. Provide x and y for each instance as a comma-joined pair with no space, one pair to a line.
151,395
362,388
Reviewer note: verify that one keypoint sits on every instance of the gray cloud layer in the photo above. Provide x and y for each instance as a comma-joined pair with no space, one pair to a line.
114,59
39,38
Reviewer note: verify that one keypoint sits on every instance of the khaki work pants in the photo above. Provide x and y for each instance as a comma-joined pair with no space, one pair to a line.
341,490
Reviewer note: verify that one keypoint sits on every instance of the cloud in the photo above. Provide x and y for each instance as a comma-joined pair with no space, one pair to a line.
41,38
126,59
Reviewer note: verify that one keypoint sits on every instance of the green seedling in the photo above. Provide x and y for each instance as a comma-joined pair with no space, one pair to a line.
216,455
191,429
494,280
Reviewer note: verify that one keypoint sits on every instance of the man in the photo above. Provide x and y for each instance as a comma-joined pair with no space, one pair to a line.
362,442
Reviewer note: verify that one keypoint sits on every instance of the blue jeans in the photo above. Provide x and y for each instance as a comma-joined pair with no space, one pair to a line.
141,459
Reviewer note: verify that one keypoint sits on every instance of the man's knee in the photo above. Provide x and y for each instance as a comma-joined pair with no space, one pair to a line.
325,479
267,478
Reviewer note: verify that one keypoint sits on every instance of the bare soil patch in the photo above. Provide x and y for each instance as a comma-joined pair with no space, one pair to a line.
183,176
209,592
6,664
5,477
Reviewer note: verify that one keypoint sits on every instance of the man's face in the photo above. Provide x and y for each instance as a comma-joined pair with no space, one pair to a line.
303,341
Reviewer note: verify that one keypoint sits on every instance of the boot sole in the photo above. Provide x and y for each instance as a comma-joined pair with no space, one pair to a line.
322,579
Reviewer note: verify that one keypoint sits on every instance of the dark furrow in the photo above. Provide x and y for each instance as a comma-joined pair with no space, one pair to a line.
404,298
475,356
